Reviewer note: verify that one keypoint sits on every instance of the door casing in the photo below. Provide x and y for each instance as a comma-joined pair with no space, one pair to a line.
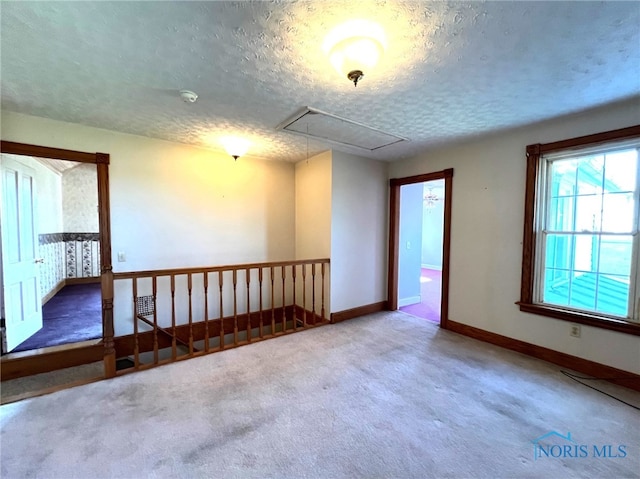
101,160
394,236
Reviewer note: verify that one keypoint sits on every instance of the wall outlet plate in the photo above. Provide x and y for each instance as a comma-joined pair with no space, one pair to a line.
575,331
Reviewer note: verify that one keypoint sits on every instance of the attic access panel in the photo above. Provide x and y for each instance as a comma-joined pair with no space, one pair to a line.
327,127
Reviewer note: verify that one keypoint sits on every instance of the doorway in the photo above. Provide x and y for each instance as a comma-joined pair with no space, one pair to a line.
420,253
59,239
419,245
87,262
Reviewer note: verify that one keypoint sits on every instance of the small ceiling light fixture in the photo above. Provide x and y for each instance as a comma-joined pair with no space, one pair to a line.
188,96
355,47
236,147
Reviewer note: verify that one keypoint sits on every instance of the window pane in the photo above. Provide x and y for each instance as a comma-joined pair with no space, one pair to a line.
559,251
588,213
620,171
613,294
615,255
591,217
583,291
585,258
560,216
563,177
618,213
556,287
590,174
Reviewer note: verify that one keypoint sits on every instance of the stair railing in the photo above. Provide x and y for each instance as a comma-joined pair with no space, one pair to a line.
176,314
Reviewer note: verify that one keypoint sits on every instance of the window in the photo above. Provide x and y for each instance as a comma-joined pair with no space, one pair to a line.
581,244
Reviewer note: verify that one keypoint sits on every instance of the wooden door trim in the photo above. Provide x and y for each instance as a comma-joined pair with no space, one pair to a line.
101,160
394,237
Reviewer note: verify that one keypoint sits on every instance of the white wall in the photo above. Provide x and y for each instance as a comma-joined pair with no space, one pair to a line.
410,244
173,205
313,207
80,199
313,226
433,228
359,231
486,235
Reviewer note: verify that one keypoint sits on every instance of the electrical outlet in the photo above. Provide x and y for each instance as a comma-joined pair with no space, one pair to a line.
575,330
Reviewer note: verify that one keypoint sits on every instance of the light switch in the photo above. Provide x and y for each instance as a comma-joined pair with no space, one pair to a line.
408,244
122,257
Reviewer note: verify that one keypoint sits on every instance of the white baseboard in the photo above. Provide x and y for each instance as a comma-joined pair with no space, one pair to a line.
408,301
437,267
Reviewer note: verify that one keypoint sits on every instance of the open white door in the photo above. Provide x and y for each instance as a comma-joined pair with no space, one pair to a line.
21,284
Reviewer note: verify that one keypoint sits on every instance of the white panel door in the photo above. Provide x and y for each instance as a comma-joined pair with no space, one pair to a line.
21,285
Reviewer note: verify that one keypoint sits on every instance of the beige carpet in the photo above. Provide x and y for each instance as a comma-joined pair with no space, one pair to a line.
383,396
32,384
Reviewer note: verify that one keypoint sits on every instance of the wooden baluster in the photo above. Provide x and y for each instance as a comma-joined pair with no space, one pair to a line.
136,344
189,288
154,286
260,285
304,295
322,300
295,322
221,312
206,311
247,273
174,346
313,293
284,311
235,308
273,311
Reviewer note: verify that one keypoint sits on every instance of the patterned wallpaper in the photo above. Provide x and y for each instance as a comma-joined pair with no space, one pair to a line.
68,255
80,198
52,271
82,253
74,253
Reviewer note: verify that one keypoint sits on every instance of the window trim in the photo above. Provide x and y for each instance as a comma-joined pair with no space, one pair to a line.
534,152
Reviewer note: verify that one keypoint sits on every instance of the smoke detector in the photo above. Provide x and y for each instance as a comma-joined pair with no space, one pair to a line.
188,96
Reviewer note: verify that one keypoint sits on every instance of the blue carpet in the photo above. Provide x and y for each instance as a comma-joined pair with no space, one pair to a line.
71,316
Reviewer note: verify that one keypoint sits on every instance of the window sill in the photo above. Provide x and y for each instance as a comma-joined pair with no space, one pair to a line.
582,318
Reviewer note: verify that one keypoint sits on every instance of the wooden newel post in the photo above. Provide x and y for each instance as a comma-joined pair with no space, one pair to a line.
102,165
107,325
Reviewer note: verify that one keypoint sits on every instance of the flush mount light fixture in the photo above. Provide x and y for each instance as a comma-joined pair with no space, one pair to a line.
236,147
355,47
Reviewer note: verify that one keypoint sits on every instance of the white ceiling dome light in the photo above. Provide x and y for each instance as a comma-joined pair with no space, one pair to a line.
235,146
355,47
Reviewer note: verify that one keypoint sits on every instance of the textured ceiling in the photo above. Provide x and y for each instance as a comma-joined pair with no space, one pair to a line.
452,70
58,165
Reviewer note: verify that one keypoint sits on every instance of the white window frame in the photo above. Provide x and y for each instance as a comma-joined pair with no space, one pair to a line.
543,199
529,289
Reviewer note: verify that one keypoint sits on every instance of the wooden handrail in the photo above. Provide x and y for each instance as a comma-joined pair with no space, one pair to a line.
184,299
211,269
